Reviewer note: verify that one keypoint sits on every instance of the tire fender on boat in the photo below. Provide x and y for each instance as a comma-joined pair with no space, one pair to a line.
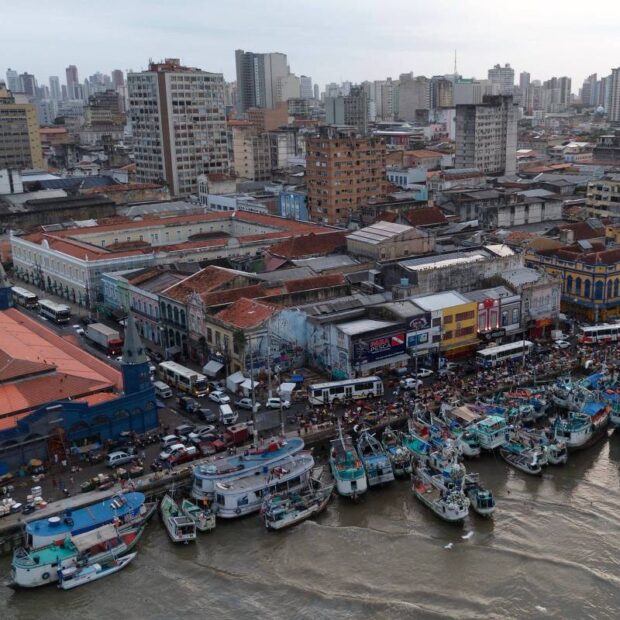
238,511
45,576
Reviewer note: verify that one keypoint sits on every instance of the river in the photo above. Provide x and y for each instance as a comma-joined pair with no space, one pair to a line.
551,551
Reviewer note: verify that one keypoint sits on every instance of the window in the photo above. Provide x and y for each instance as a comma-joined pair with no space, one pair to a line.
504,318
447,319
447,335
209,334
578,286
515,315
586,288
463,316
482,322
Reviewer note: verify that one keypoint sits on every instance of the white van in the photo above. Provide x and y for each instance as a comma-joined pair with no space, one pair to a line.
162,389
227,415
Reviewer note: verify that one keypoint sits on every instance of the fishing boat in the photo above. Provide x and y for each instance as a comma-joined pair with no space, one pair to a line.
75,576
122,509
31,568
399,456
207,475
481,500
581,429
242,496
524,459
446,501
202,517
417,447
491,431
376,462
180,528
284,510
555,450
458,417
346,467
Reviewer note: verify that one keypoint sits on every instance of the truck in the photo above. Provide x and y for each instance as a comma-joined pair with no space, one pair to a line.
236,435
106,338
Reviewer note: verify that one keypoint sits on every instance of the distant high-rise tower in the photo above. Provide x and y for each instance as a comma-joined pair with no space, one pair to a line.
588,91
613,111
29,84
13,82
486,135
257,78
72,81
179,128
316,92
305,87
118,79
55,92
502,79
351,110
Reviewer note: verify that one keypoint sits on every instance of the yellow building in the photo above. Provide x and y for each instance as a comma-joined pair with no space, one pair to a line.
458,317
20,142
590,277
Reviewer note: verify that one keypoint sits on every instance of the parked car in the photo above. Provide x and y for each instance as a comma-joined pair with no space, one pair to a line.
116,459
200,433
276,402
246,403
445,372
183,430
424,373
561,344
216,386
171,449
217,396
410,383
188,404
169,440
207,415
189,453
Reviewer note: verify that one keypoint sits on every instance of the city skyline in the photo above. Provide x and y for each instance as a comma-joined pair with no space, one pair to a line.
378,41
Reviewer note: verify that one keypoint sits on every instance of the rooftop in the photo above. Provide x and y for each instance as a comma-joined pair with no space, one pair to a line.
379,232
310,245
246,313
439,301
425,216
353,328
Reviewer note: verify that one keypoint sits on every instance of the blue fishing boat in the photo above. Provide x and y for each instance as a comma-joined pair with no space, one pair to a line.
581,429
120,509
376,462
525,459
222,469
491,431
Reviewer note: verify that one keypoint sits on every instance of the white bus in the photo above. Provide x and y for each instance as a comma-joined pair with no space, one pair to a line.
59,313
182,378
23,297
606,332
492,356
341,391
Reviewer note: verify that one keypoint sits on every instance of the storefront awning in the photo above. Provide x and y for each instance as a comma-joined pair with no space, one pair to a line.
388,361
212,368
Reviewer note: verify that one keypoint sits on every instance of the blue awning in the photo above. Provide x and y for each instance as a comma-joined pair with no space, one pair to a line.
592,408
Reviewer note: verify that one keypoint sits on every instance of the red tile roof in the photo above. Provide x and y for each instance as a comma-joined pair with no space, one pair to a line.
423,154
598,255
14,368
202,282
425,216
583,231
387,216
310,245
314,282
246,313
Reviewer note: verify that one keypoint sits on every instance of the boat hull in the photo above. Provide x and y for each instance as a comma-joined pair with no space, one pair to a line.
514,460
450,515
87,576
303,515
350,488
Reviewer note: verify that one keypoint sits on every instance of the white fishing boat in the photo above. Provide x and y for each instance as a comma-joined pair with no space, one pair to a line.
399,456
284,510
446,501
481,499
492,432
202,517
75,576
347,467
527,460
376,462
242,496
581,429
180,528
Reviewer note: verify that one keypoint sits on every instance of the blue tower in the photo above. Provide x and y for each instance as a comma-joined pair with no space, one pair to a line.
135,364
6,298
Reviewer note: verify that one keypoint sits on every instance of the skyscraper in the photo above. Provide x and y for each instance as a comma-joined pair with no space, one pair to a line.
179,124
13,82
257,78
316,92
588,91
486,135
118,78
351,110
414,97
613,113
502,79
29,84
305,87
55,92
20,142
72,81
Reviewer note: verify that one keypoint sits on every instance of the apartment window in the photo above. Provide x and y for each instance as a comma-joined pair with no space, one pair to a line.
463,316
209,334
448,319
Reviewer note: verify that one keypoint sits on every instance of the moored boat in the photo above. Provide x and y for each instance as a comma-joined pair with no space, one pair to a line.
376,462
491,431
581,429
75,576
180,528
447,502
524,459
481,499
347,467
202,517
284,510
399,456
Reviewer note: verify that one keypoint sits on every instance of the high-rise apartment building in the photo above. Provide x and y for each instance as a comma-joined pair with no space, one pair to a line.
414,97
55,92
502,79
588,91
305,87
556,94
442,92
179,124
613,111
118,79
486,135
29,84
20,142
316,92
257,78
343,172
13,82
251,152
74,90
351,110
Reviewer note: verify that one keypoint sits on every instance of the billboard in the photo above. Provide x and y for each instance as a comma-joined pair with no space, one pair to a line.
420,322
379,348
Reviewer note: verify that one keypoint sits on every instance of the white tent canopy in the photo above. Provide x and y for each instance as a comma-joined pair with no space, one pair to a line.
234,381
212,368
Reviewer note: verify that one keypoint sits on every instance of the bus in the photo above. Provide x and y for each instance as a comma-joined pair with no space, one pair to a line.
492,356
182,378
606,332
341,391
23,297
59,313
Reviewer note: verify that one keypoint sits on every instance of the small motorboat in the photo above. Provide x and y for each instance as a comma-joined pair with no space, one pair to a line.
286,509
480,499
202,517
180,527
75,576
523,459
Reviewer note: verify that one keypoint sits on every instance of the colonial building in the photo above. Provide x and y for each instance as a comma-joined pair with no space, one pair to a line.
384,241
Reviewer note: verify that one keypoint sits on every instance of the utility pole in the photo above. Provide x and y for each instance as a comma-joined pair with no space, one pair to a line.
254,429
269,357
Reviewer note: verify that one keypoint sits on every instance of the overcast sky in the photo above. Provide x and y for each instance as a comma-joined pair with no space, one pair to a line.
330,40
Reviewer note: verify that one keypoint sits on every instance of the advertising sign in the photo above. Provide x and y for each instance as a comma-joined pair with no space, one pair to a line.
379,348
420,322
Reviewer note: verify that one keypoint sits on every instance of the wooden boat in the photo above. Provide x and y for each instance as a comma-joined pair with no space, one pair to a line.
74,576
524,459
447,502
347,468
481,500
376,462
180,527
399,456
287,509
203,518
